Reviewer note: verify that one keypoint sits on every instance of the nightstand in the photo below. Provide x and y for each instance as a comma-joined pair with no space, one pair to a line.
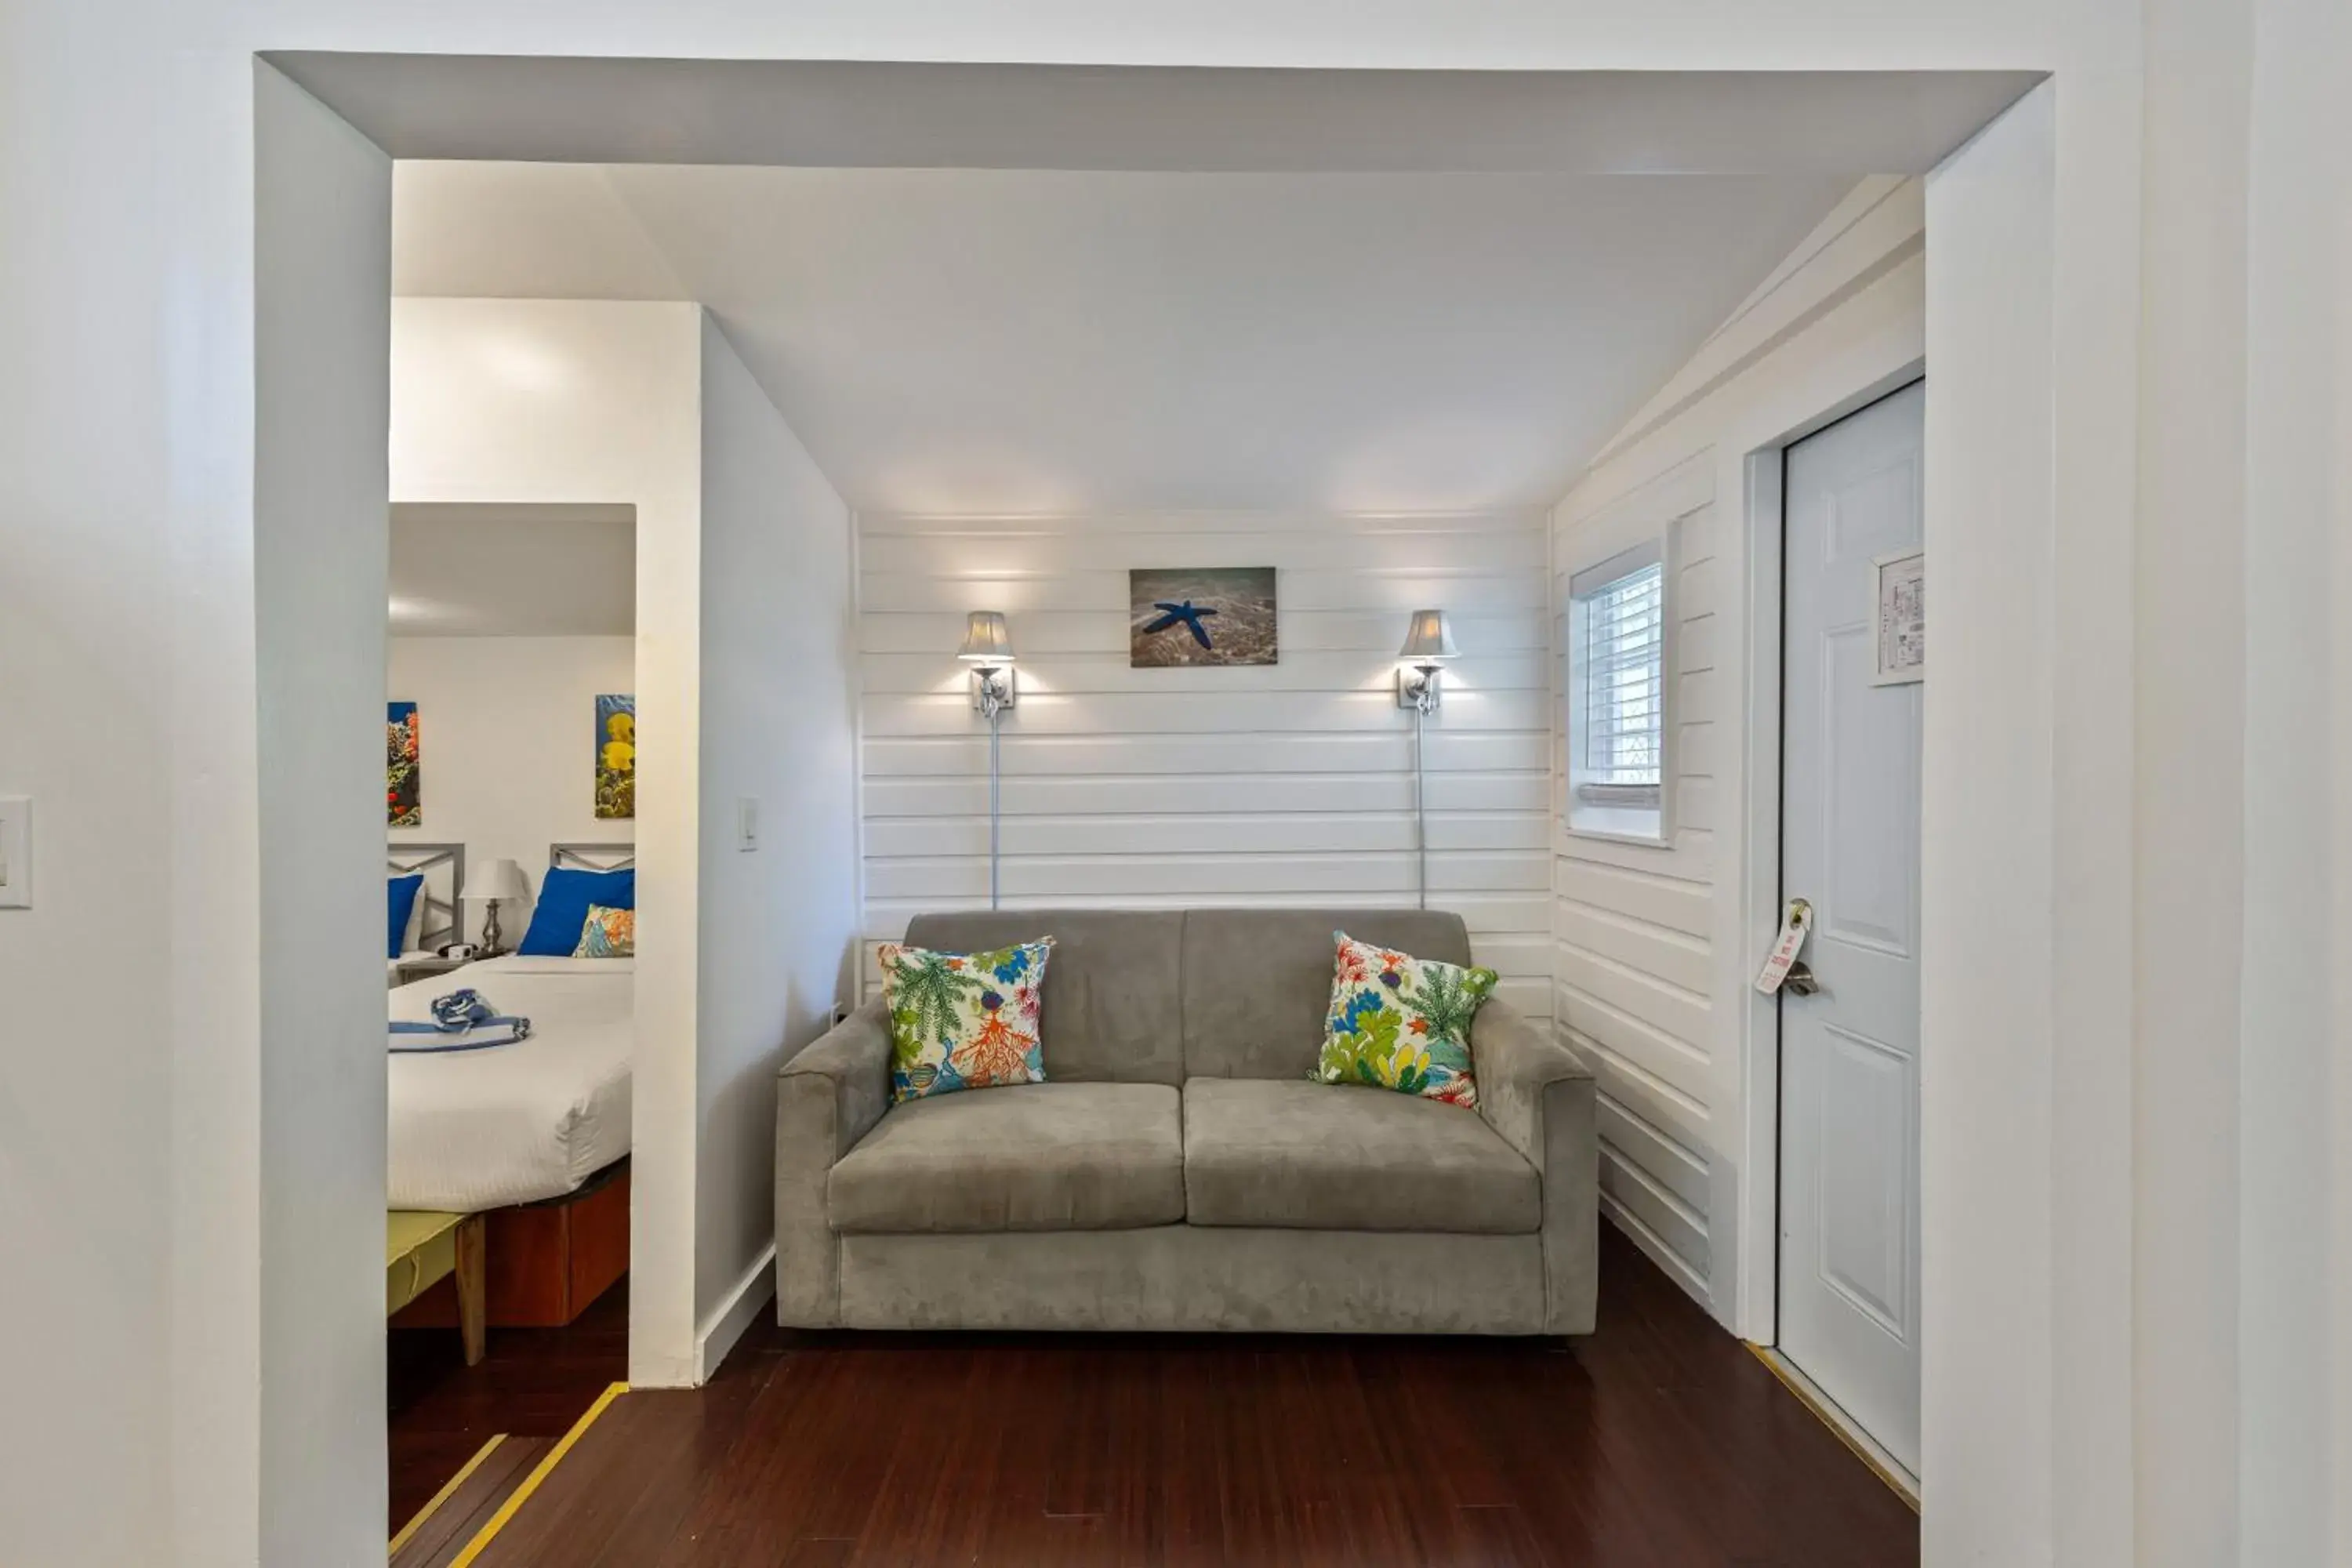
409,969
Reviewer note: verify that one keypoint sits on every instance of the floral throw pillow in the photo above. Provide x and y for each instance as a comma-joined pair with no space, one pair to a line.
608,934
964,1020
1402,1023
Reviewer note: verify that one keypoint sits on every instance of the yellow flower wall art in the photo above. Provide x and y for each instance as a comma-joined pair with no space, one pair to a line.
616,756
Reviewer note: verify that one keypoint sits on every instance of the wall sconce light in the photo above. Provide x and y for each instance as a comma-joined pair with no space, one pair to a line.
988,649
1428,644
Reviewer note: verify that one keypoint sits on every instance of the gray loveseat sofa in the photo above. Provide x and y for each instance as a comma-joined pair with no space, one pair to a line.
1179,1170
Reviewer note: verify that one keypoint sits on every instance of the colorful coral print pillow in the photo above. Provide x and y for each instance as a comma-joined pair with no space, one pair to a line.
1402,1023
608,934
964,1020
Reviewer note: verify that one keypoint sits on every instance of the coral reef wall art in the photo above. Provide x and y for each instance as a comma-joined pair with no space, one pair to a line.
403,795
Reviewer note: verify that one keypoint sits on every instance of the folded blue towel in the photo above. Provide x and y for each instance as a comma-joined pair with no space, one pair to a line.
462,1021
423,1038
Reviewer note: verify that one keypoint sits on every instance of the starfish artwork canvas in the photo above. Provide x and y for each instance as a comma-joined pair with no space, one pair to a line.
1185,617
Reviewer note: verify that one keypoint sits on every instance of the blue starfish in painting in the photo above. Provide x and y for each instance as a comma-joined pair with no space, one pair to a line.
1185,613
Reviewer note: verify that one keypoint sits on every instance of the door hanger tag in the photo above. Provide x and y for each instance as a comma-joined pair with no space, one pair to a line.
1794,924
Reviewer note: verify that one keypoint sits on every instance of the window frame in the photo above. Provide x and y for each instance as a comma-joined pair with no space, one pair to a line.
1598,808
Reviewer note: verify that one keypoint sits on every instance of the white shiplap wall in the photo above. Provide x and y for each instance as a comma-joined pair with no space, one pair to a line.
1290,783
1634,962
1653,945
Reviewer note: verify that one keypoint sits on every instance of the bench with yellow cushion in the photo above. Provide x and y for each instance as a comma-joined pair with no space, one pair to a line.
421,1246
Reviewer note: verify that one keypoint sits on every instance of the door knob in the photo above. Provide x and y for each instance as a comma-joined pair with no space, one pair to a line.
1801,979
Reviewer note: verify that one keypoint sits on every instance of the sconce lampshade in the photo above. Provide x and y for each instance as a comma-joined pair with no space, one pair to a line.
986,639
1429,639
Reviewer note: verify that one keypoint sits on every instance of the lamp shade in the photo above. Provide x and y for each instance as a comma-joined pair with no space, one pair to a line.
986,638
500,879
1428,639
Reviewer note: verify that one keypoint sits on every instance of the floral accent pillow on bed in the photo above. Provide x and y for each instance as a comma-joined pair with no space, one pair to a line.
1403,1022
964,1020
608,934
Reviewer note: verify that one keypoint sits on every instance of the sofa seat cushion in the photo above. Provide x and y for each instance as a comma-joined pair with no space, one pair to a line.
1040,1156
1314,1156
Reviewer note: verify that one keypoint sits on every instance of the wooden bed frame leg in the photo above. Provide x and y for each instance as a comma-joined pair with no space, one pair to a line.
473,1287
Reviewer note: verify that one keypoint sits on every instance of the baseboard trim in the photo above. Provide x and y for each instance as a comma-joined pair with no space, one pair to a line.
1654,1247
719,1330
1827,1411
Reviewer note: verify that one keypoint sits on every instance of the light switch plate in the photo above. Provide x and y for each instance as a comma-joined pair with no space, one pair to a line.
15,852
747,823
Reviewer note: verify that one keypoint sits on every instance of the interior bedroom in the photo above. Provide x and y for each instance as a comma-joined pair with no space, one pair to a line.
510,774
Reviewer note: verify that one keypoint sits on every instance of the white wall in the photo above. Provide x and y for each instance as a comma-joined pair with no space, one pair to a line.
1273,785
592,401
741,672
777,923
320,549
509,730
1656,944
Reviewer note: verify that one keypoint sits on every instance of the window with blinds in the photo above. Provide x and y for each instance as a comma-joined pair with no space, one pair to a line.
1617,694
1624,648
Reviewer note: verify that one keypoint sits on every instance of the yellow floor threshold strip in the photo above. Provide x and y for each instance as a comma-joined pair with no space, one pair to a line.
545,1467
408,1531
1898,1480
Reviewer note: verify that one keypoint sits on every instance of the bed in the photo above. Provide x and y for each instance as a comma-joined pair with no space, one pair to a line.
533,1135
434,919
514,1125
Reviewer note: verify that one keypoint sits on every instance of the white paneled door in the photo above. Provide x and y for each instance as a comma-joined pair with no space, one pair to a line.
1850,845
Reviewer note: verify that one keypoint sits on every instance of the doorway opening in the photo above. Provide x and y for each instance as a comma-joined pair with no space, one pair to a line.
510,682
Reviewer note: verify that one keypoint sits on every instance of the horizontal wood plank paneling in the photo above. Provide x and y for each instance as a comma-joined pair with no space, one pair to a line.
1246,795
900,838
1483,591
1640,954
1246,709
920,674
1284,785
1633,959
1056,630
1251,753
1332,879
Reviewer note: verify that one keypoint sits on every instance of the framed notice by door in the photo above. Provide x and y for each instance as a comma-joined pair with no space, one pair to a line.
1901,582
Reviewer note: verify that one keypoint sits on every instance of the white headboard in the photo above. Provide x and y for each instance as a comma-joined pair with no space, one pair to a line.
591,857
443,866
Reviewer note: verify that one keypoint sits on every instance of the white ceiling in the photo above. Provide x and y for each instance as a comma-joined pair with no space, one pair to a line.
513,571
1008,341
1050,289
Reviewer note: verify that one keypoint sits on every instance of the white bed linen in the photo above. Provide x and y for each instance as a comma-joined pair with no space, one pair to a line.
478,1130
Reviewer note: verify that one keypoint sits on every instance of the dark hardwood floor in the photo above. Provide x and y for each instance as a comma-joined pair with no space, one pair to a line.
1657,1443
533,1383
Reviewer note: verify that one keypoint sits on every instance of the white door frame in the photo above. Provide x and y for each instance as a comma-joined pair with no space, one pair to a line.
1753,886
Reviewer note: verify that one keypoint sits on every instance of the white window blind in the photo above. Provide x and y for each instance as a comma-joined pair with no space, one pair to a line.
1615,690
1624,675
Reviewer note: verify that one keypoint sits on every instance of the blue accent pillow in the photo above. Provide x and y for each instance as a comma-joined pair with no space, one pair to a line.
562,912
403,891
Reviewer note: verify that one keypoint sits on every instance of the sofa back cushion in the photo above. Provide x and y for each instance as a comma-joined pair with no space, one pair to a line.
1111,991
1257,982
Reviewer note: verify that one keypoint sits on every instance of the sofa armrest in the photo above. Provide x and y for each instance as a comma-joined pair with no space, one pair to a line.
1539,1097
827,1098
849,1065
